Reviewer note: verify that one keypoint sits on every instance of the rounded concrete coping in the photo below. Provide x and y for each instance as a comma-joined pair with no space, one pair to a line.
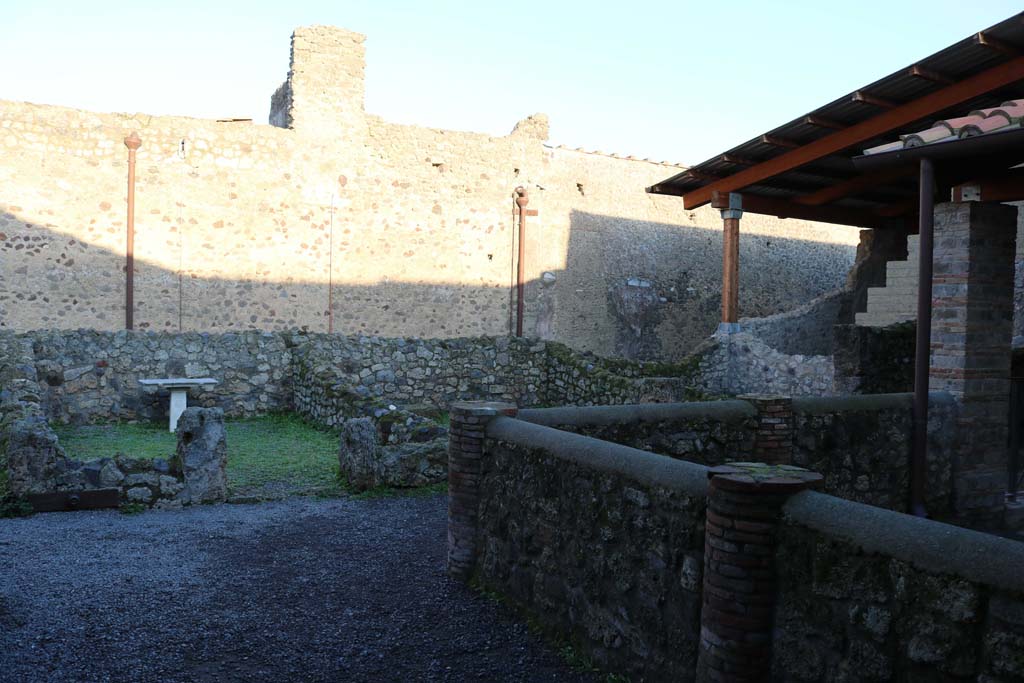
579,416
818,405
930,546
643,467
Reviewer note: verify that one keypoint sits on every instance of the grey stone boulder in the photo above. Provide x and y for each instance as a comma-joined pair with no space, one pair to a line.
202,455
414,464
367,463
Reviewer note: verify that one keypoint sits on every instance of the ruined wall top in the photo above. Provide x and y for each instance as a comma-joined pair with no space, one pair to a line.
325,89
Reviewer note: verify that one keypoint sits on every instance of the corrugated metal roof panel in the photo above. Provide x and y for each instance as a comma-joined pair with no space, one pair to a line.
958,61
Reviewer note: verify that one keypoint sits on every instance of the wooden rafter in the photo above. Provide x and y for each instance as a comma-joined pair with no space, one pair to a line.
776,141
931,75
854,186
822,122
868,98
786,209
884,122
996,45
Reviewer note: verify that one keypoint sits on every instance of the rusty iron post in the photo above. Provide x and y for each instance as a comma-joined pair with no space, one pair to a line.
132,142
922,355
522,199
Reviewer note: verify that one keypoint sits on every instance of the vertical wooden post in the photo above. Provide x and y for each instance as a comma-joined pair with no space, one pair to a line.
731,263
132,142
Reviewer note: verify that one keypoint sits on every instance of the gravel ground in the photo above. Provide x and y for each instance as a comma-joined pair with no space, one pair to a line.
297,590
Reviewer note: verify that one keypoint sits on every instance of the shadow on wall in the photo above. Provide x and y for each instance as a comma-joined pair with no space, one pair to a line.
617,296
644,303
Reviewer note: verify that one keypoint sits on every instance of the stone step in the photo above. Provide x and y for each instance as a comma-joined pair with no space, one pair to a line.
871,320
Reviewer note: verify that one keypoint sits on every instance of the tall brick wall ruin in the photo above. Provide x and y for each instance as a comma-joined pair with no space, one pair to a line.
247,226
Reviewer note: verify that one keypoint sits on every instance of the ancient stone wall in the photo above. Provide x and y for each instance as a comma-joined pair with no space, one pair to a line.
864,594
91,376
862,444
333,374
32,460
395,230
609,560
602,544
706,433
805,330
741,363
874,360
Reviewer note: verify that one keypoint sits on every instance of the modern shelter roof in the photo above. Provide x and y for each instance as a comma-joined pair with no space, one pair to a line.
805,169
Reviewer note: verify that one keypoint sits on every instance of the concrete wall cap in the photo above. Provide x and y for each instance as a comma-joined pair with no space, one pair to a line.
646,412
928,545
641,466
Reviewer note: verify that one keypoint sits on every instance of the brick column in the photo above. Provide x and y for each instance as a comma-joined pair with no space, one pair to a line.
972,329
773,441
744,507
465,470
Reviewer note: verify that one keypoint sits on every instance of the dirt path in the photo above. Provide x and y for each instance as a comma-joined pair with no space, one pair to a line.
299,590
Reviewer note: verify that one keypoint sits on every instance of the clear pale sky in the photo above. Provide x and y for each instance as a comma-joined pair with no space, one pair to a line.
677,81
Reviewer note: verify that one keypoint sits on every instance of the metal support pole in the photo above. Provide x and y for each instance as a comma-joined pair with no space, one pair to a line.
922,356
132,142
522,199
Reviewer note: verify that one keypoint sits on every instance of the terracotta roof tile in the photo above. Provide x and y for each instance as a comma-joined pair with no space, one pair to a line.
978,122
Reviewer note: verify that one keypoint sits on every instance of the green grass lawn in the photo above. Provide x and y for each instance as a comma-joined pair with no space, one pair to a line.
268,457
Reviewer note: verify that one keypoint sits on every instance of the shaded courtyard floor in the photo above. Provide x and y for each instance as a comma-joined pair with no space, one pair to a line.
294,590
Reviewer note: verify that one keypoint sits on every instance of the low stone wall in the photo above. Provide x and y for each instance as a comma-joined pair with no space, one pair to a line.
741,363
33,461
707,433
332,373
862,444
874,360
606,549
806,330
89,376
618,551
867,594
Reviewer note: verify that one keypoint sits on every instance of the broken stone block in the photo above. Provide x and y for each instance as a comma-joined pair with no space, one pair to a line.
359,452
202,455
34,458
367,462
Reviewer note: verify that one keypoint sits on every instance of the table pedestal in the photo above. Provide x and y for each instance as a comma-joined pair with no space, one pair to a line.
179,401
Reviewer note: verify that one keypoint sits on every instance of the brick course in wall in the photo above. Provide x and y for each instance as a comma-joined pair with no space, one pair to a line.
972,328
744,509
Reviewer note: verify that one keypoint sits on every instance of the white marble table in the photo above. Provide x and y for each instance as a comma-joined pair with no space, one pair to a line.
178,387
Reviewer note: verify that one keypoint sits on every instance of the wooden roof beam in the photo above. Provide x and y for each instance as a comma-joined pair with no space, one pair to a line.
786,209
776,141
877,126
982,38
854,186
822,122
931,75
874,100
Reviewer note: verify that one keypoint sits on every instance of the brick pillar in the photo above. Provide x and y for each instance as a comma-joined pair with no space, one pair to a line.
744,507
773,441
972,328
465,470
